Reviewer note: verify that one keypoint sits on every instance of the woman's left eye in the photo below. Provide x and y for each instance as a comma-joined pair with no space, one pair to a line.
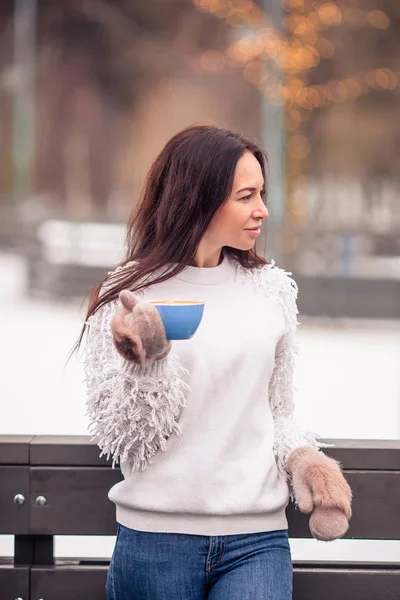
250,196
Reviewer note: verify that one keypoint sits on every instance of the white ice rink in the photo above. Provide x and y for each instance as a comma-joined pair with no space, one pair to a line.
348,386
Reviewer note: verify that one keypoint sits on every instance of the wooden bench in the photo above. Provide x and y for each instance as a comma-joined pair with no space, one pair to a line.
58,486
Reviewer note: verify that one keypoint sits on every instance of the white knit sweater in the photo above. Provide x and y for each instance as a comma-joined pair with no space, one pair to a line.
203,436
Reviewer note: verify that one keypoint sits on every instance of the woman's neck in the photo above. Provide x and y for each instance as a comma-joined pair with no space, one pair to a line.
206,259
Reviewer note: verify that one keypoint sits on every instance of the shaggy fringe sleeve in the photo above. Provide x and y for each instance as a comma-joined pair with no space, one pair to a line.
288,435
132,410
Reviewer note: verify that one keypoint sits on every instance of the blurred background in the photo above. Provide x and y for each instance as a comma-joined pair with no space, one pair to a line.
90,90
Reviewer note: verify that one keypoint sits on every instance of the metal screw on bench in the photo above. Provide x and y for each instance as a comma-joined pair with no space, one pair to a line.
19,499
41,501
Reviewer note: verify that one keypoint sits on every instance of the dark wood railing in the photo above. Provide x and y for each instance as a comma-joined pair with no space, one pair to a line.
58,486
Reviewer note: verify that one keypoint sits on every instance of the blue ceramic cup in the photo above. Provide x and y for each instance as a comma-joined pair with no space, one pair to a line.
181,318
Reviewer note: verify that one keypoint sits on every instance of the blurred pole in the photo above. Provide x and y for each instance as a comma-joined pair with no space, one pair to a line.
348,254
23,131
273,141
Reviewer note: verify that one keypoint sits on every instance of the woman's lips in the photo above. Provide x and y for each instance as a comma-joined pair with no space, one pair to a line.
254,231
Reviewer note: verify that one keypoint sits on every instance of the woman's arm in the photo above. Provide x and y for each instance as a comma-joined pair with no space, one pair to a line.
288,434
316,481
132,409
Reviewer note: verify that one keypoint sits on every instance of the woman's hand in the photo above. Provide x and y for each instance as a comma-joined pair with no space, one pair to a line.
138,331
320,488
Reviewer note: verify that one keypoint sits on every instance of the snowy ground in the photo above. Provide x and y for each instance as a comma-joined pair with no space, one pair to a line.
348,386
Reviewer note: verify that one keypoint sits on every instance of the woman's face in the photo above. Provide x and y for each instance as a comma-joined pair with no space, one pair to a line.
238,222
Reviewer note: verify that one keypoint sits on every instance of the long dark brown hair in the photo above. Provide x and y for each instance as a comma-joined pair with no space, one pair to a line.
188,182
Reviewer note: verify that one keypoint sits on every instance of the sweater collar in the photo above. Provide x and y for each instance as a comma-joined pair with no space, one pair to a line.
222,273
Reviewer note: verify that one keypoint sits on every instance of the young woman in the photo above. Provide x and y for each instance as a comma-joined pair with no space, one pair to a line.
203,428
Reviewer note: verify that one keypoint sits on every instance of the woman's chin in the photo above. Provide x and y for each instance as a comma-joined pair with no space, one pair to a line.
249,245
244,246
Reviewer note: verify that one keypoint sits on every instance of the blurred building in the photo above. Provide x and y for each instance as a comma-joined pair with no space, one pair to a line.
91,90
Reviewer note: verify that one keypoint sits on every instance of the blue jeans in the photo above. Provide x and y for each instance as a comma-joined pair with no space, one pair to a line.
169,566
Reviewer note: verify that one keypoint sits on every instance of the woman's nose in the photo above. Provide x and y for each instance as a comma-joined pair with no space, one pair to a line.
261,212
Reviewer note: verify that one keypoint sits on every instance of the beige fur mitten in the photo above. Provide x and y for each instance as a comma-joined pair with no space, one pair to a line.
138,331
320,488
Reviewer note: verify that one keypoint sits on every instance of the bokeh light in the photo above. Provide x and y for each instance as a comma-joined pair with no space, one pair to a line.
378,19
